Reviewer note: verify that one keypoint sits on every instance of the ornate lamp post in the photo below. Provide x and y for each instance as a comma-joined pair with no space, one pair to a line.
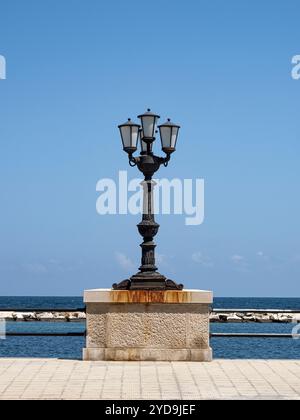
148,277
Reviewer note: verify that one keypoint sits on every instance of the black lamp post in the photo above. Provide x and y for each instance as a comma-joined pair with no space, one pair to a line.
148,277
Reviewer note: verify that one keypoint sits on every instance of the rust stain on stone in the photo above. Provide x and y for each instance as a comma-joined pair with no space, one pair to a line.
149,296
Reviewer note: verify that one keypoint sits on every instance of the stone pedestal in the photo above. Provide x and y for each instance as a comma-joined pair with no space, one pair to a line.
148,325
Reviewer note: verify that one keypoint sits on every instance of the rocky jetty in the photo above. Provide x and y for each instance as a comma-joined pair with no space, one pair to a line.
43,316
232,317
268,317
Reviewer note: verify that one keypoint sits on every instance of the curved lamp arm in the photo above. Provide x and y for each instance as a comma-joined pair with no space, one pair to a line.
165,161
132,160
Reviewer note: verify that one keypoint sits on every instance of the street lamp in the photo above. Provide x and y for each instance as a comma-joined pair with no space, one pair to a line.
148,277
129,134
149,123
169,135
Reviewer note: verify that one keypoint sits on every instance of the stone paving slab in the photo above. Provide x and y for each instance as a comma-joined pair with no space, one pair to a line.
53,379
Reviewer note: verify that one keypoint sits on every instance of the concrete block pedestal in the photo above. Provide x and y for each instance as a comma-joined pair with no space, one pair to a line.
148,325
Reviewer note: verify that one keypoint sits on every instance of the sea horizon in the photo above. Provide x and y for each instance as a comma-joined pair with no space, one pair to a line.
76,302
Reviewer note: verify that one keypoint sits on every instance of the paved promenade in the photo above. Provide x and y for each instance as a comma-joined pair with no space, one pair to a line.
222,379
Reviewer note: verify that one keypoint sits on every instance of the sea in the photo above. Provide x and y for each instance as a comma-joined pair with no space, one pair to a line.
223,348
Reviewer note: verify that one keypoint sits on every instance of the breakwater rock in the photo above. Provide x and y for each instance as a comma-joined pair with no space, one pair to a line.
268,317
43,316
232,317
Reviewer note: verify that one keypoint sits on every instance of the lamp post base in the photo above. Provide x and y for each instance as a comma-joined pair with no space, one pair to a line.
148,281
132,325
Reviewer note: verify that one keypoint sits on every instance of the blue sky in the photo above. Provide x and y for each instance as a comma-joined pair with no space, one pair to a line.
75,70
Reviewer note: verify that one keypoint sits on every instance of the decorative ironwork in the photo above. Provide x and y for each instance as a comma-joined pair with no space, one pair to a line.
148,278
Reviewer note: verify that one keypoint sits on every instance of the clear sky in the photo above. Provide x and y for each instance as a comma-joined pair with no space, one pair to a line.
76,69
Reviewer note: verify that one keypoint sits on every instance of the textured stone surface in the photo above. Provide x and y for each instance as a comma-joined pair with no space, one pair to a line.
198,329
147,354
147,331
151,326
96,326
